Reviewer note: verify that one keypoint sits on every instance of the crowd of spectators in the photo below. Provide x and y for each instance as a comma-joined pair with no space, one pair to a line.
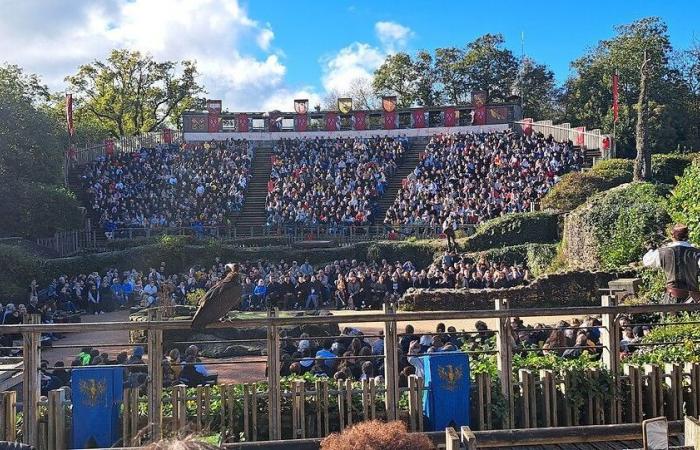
169,185
465,179
331,182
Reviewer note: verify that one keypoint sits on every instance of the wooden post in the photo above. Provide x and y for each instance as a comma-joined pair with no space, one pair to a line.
468,438
549,395
31,387
412,407
365,399
8,408
246,411
675,391
57,419
529,399
391,368
691,430
273,379
326,397
610,339
155,378
505,361
635,387
341,406
254,412
695,389
451,439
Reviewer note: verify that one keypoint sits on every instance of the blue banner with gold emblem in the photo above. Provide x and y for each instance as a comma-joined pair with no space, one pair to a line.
447,383
97,398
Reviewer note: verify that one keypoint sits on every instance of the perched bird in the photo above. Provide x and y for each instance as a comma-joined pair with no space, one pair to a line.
220,299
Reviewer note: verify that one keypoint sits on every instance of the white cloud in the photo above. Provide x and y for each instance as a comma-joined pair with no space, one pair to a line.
392,35
360,60
215,33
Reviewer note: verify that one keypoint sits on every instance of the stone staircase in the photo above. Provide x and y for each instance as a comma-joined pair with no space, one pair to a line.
253,215
406,166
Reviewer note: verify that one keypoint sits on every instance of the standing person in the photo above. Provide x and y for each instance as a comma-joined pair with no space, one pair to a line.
448,228
680,262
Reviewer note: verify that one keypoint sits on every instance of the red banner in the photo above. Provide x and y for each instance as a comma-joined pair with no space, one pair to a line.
360,120
214,107
331,121
214,123
418,116
168,136
615,94
390,120
301,122
242,123
69,114
275,122
527,126
450,117
109,147
580,137
479,101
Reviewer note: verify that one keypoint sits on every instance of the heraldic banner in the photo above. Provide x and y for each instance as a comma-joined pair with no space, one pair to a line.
331,121
97,398
214,112
527,126
580,136
345,105
242,123
301,122
390,120
301,105
479,102
450,117
360,118
418,117
446,400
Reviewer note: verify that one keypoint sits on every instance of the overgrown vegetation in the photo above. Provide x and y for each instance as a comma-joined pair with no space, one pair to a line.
684,202
675,341
514,229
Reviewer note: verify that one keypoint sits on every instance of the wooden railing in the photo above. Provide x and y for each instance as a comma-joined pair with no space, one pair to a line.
532,399
589,139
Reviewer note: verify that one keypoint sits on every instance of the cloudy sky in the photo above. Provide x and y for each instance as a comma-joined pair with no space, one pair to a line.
260,55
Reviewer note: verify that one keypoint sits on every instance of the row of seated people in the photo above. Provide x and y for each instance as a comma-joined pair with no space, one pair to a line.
332,182
465,179
169,185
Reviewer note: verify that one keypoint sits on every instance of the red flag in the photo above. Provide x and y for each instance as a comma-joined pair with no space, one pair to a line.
615,94
69,114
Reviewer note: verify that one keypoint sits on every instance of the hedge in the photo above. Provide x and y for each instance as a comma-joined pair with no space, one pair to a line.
684,202
576,187
537,257
514,229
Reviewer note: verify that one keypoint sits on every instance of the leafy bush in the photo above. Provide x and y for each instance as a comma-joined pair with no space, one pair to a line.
616,170
684,202
514,229
666,167
677,342
611,229
194,297
574,189
37,210
17,269
536,256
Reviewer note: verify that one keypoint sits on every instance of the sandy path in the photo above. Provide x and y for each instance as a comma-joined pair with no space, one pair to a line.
245,369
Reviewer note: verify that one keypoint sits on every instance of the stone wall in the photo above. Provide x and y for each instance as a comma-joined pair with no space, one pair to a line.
574,288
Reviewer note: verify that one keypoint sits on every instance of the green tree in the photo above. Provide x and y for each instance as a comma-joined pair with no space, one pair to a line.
684,202
449,74
397,76
131,93
488,66
425,94
538,90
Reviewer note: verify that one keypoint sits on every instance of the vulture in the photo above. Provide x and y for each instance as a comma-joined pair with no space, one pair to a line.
219,300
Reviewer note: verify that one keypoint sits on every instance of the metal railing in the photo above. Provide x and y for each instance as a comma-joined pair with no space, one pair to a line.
588,139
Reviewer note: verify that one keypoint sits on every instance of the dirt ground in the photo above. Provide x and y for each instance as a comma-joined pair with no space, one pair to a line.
242,369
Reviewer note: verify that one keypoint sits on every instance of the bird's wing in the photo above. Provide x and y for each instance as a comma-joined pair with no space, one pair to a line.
220,299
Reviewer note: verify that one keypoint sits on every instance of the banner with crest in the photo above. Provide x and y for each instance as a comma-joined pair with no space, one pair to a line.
331,121
301,122
479,102
418,116
344,105
499,114
580,136
389,103
450,117
242,123
214,122
214,107
301,106
527,126
390,120
360,120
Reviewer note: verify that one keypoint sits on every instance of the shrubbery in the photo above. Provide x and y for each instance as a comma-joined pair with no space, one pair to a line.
514,229
536,256
684,202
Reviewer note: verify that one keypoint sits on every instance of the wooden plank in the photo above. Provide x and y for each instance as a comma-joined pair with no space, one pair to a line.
695,388
691,430
373,396
673,380
31,387
348,400
319,408
126,433
419,401
480,403
451,439
232,399
246,412
505,360
134,417
528,398
198,413
295,411
468,438
301,397
273,379
223,399
56,413
365,399
8,408
548,409
391,367
254,412
610,339
341,406
155,377
412,419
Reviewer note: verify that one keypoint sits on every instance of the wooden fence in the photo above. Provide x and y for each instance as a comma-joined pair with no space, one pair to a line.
589,139
295,409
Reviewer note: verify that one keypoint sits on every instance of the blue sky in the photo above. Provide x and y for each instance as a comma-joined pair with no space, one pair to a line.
261,54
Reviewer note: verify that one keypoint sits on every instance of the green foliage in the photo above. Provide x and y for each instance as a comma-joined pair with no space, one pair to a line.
540,257
666,167
514,229
536,256
676,342
653,285
623,220
573,190
131,93
16,272
684,202
37,209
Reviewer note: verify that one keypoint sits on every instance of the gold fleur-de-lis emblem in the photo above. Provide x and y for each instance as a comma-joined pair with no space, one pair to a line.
93,391
450,376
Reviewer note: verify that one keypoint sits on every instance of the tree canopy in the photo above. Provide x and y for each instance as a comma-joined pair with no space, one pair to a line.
131,93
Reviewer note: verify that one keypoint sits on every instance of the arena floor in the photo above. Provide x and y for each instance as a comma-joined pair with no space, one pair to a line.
235,373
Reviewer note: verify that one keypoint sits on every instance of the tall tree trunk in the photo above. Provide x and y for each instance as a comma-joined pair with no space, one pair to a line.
642,163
